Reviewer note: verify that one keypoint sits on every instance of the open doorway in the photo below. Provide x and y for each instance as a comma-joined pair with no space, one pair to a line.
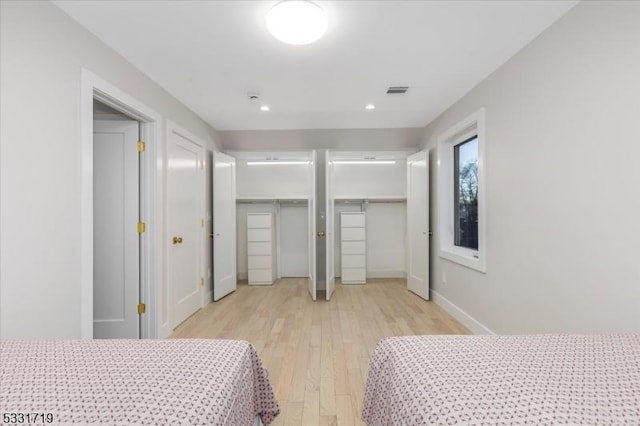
109,182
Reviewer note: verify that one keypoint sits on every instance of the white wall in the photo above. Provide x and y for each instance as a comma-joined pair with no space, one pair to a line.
42,52
563,198
370,180
273,181
366,139
386,239
293,240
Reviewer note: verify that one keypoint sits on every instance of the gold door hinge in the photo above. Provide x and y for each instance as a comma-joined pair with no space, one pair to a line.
141,227
201,223
141,308
202,281
140,146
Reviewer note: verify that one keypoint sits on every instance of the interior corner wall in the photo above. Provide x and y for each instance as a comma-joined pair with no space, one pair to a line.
562,160
42,53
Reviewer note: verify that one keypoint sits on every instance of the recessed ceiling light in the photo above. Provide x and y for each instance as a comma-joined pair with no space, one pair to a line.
370,107
297,22
264,108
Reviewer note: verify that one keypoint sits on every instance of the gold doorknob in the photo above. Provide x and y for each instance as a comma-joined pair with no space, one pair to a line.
211,235
321,234
177,240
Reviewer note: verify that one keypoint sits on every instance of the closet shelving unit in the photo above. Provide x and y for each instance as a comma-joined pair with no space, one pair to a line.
374,184
273,183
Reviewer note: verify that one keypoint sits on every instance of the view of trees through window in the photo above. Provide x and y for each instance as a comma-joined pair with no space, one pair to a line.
466,193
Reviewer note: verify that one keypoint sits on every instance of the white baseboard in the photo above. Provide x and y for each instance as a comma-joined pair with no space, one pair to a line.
467,320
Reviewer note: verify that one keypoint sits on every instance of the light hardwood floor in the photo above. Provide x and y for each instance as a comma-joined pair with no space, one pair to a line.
318,353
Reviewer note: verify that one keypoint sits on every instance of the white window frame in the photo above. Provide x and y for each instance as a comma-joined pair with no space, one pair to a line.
474,259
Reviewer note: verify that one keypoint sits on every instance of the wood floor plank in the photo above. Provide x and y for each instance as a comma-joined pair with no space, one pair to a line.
282,385
344,413
293,415
317,353
327,386
328,420
311,406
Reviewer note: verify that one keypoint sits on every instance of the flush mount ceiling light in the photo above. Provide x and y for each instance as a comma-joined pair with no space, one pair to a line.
297,22
265,108
370,107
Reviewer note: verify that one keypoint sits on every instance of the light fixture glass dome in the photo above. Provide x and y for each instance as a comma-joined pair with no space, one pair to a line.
297,22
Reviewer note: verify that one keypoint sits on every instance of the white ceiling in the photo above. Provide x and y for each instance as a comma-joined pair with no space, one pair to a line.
210,54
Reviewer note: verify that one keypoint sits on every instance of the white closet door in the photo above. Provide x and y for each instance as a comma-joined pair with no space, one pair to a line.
312,227
185,199
418,224
224,225
330,230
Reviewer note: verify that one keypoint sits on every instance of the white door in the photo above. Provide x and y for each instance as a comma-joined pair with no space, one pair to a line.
184,199
224,225
312,227
116,249
330,228
418,223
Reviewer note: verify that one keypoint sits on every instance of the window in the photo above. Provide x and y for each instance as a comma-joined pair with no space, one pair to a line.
461,193
465,193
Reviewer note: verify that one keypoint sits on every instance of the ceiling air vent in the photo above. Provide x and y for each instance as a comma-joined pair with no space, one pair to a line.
397,90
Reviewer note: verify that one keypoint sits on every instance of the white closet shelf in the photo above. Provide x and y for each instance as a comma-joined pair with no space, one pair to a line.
265,200
274,198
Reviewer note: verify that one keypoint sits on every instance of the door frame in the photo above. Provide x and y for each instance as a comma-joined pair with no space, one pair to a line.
151,199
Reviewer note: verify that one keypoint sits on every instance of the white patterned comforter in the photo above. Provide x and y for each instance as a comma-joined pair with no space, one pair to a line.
504,380
158,382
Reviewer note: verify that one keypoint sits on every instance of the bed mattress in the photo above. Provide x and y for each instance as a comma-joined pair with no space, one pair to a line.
491,380
159,382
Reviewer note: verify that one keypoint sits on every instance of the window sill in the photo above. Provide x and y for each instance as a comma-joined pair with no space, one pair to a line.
465,257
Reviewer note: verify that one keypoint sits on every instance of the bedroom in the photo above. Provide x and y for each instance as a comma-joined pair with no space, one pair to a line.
562,188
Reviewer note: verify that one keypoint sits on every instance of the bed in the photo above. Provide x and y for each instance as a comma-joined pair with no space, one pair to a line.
158,382
489,380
